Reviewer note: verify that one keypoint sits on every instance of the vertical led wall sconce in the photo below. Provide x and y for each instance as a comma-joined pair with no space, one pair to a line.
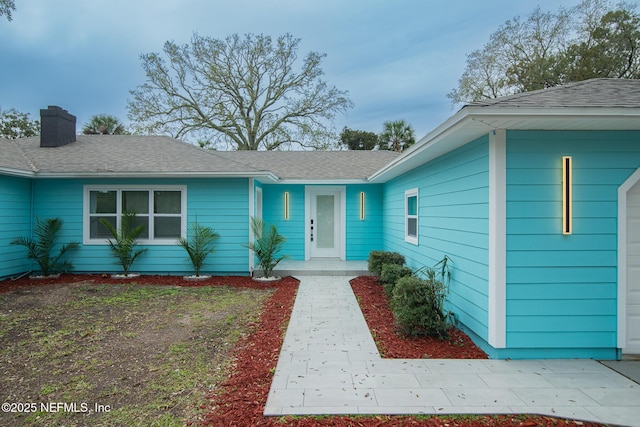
362,205
567,195
286,205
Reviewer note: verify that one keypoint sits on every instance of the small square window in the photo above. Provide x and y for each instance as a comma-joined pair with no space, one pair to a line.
411,216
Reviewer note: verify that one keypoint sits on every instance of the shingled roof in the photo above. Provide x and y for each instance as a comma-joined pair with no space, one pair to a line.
13,158
314,165
132,155
621,93
117,154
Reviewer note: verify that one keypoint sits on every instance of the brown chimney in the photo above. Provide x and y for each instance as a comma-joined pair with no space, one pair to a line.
58,127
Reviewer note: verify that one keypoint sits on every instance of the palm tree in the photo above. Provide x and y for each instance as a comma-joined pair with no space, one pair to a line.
104,124
396,136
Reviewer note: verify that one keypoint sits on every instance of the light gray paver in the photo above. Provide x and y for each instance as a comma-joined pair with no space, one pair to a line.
438,380
329,364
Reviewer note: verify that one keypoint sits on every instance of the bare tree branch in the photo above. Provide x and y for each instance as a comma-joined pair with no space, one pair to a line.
243,92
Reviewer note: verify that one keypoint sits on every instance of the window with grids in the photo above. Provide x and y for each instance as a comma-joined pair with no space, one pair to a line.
160,211
411,216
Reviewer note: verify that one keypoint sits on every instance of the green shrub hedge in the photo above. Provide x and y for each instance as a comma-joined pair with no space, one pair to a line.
390,275
379,258
418,306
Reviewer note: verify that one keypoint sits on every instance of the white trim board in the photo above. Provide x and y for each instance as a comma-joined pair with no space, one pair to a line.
251,214
622,256
497,292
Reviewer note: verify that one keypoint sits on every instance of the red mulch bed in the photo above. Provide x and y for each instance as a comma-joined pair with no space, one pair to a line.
240,400
375,307
8,284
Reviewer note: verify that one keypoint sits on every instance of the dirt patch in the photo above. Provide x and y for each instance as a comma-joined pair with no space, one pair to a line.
118,353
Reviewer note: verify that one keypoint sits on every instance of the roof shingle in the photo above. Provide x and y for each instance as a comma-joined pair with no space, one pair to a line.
611,93
133,154
314,165
120,154
12,157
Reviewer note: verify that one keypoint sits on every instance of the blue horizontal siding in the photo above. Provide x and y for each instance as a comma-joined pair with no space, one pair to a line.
453,221
221,204
273,213
562,290
570,340
15,222
561,275
574,321
551,226
584,242
363,236
560,258
565,307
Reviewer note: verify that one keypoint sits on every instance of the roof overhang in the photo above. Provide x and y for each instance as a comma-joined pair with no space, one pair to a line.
473,122
266,176
323,181
17,172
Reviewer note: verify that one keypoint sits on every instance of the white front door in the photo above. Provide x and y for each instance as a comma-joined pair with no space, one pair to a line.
325,222
633,271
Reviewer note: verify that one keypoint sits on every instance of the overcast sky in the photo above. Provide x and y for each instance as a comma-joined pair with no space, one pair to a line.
396,58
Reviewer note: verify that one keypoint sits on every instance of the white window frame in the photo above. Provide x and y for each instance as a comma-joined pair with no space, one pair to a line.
407,237
86,222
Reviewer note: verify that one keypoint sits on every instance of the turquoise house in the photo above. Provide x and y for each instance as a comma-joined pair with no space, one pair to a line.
533,196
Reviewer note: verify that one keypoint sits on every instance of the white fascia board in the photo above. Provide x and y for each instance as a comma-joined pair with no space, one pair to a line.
323,181
425,144
17,172
561,119
104,174
537,112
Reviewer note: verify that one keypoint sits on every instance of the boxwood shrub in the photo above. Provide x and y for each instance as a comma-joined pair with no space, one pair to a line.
379,258
418,306
390,275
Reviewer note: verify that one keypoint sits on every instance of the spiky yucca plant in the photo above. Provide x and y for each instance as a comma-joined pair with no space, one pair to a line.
268,242
198,245
40,248
126,239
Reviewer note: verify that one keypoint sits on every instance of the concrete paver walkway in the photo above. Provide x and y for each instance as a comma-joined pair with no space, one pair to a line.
329,364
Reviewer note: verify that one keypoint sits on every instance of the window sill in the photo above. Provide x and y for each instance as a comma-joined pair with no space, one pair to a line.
157,242
413,241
